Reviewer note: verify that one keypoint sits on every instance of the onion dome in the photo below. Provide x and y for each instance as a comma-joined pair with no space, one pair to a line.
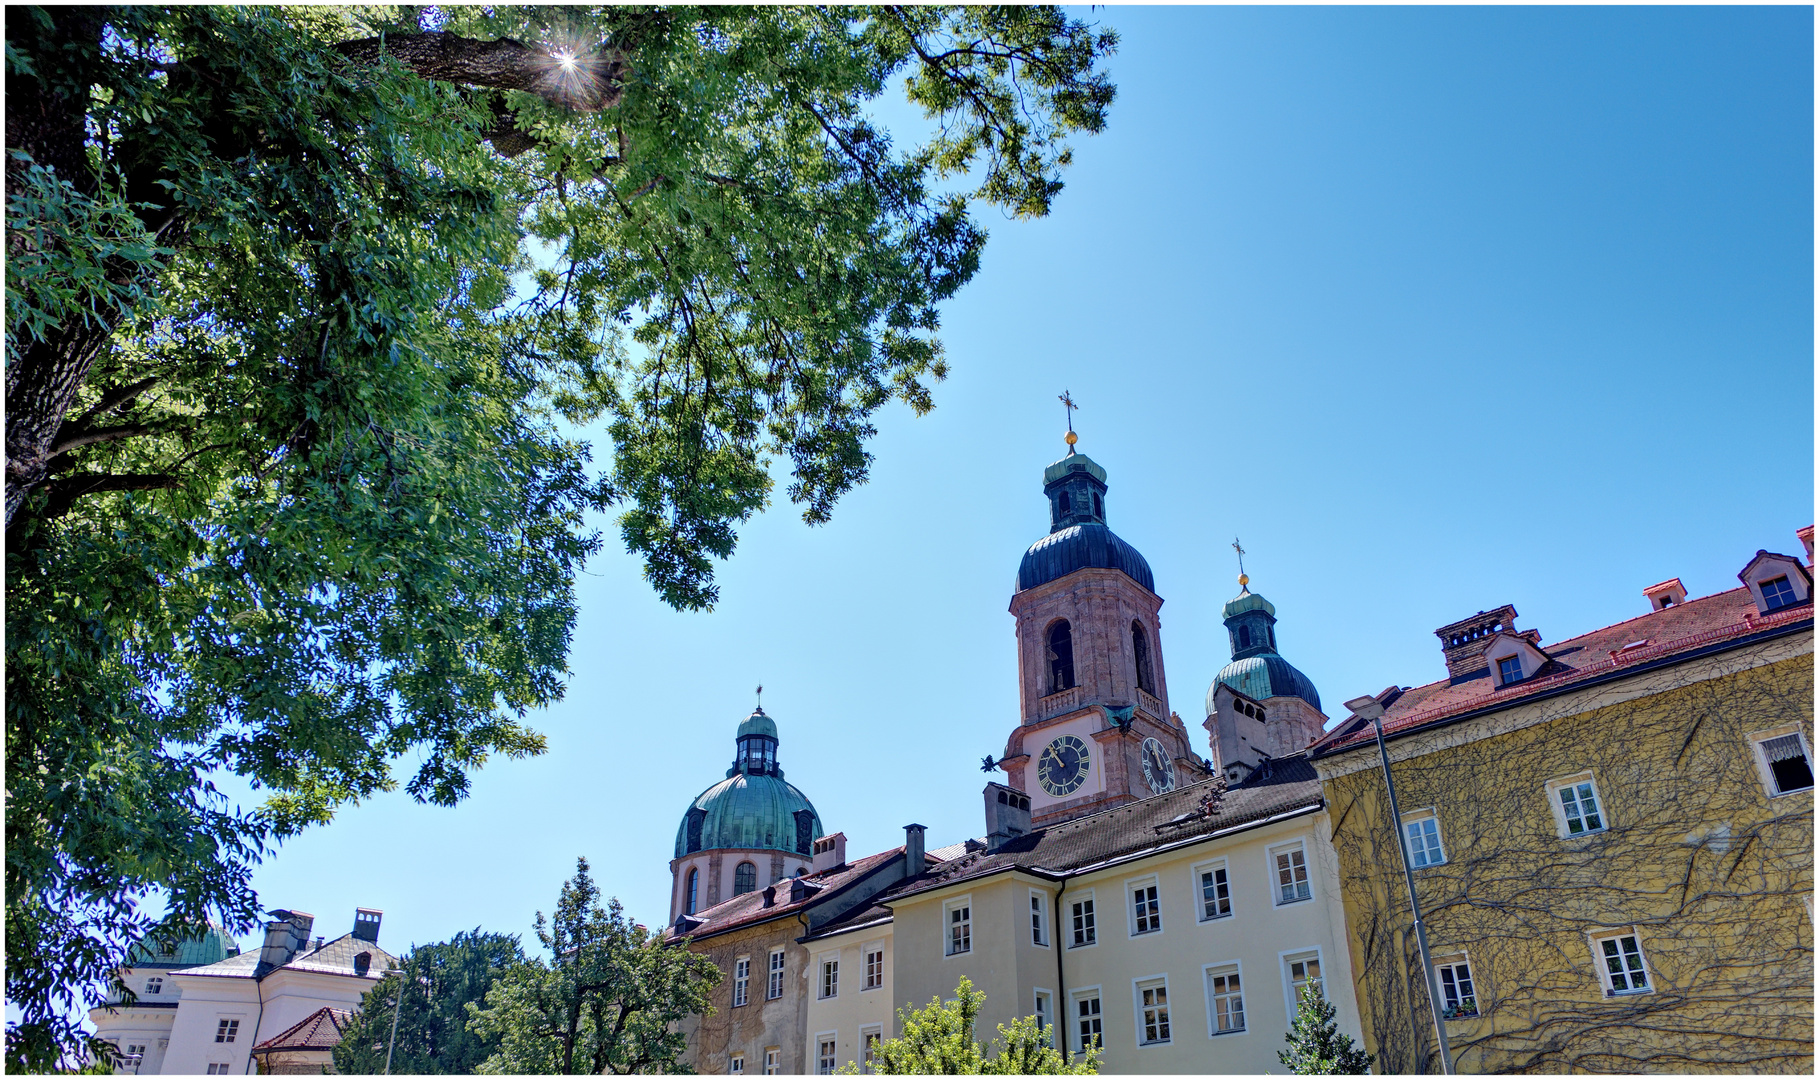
754,808
1077,536
1256,670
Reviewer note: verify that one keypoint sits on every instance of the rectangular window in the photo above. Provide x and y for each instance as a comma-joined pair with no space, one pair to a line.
960,928
135,1055
1227,999
1510,669
220,1068
830,977
772,1060
1303,974
226,1031
1038,913
1624,972
1424,842
1152,1008
742,978
773,987
1146,910
154,986
1579,806
1291,874
874,968
1043,1019
1777,593
1084,931
1086,1011
1215,893
824,1057
735,1065
869,1041
1789,769
1458,998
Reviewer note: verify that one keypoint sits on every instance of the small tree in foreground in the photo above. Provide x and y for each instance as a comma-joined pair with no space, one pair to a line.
1315,1046
938,1040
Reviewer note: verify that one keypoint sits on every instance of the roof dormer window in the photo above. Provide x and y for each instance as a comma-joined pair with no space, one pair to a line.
1509,669
1776,582
1514,657
1777,594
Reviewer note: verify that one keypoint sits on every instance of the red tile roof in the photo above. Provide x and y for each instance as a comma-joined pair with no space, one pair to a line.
320,1030
1682,628
748,909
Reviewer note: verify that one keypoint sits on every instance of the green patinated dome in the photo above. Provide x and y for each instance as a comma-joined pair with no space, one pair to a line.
1256,670
754,808
211,946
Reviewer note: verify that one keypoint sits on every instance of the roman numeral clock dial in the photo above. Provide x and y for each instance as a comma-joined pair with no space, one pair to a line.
1063,766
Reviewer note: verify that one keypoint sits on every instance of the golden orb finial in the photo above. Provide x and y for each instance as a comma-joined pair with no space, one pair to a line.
1072,438
1244,581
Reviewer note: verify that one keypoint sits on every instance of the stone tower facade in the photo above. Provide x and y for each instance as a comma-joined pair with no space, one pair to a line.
1096,730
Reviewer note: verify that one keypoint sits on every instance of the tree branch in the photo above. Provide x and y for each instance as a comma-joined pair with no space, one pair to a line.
64,491
585,83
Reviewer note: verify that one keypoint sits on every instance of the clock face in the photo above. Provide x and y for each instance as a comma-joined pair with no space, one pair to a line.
1157,768
1063,766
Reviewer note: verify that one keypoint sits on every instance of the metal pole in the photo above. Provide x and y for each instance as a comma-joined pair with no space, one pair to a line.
397,1003
1408,876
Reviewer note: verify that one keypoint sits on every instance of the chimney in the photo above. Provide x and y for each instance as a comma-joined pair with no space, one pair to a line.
366,923
288,933
1665,595
830,851
913,836
1007,815
1806,538
1464,642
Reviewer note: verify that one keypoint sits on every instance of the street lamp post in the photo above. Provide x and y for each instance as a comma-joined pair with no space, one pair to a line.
1372,709
397,1003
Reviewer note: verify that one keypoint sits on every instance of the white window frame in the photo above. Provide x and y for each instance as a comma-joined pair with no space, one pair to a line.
1196,890
1138,986
220,1068
1074,998
1074,901
866,952
948,923
154,985
773,1060
1763,770
1455,961
735,1064
866,1035
1041,934
1598,938
826,1064
1131,886
1289,956
773,974
1416,817
1561,826
1275,883
1207,972
1042,997
227,1028
742,980
827,976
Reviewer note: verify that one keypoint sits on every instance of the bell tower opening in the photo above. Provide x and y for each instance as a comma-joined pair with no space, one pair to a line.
1060,657
1140,652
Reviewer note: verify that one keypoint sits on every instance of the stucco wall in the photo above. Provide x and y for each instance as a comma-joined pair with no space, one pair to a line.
854,1008
762,1022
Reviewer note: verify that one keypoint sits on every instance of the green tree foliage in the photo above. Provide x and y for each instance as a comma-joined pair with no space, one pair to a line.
1315,1046
608,1000
301,304
438,982
938,1040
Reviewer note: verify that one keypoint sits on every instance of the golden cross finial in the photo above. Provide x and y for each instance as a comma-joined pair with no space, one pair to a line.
1068,400
760,697
1243,579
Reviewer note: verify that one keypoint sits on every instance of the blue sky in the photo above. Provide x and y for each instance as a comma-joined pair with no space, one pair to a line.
1437,309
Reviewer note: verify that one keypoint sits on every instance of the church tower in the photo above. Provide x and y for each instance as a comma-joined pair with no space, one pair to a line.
1096,729
1259,706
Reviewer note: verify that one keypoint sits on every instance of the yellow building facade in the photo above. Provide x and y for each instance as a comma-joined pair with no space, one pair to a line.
1611,839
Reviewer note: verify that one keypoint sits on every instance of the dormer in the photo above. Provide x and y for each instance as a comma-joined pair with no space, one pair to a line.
830,851
1665,595
1514,657
1776,581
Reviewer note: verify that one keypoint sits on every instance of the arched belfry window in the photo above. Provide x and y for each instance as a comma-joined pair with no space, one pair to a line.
694,891
745,878
1098,506
1067,504
805,831
1060,657
1140,648
1244,637
696,818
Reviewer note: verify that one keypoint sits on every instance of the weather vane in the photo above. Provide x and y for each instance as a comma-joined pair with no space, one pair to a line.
1243,579
760,697
1068,400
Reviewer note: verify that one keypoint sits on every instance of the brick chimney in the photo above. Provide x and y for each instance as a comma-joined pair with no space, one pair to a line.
1665,595
1806,539
285,936
1007,815
1464,642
